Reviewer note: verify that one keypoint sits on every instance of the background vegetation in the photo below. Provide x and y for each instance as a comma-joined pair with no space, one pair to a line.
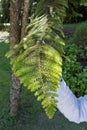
31,115
75,68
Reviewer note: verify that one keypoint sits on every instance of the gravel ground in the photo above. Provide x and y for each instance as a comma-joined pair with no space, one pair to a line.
3,35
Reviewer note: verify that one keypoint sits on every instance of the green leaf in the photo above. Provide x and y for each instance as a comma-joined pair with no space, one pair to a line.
37,58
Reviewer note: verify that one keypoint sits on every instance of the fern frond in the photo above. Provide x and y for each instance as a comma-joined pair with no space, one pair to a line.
38,57
51,8
39,69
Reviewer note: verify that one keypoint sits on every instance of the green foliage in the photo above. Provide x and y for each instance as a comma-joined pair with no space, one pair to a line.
76,11
30,108
83,3
31,117
73,11
51,8
38,57
74,73
3,61
75,70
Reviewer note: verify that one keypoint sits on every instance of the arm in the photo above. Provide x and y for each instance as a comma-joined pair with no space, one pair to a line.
74,109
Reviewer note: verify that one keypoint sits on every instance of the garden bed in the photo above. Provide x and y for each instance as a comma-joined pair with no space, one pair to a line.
75,68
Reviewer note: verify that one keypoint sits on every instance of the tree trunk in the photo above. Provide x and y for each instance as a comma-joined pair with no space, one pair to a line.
25,17
14,95
17,34
15,6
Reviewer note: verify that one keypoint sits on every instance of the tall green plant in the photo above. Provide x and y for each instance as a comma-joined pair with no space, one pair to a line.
74,12
38,57
83,3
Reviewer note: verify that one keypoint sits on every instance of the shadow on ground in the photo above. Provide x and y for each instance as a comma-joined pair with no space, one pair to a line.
57,123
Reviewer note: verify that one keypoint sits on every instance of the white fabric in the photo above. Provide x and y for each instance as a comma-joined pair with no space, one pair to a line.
73,108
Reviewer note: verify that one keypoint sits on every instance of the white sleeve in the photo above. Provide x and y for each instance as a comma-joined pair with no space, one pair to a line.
74,109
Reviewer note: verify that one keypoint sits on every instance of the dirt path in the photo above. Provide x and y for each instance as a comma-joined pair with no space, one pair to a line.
69,31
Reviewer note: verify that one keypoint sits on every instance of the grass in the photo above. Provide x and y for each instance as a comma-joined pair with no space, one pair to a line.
73,25
29,106
31,115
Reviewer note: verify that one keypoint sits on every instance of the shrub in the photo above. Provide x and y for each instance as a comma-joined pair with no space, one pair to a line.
74,73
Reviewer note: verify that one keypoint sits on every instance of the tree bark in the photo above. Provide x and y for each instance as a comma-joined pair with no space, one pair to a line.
14,95
17,32
15,7
25,17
